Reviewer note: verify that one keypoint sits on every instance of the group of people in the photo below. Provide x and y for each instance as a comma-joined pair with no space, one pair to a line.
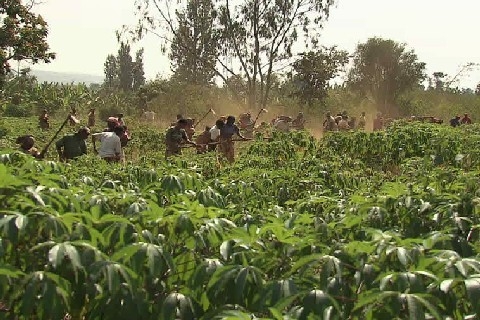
458,121
71,146
44,119
343,122
285,123
221,135
112,141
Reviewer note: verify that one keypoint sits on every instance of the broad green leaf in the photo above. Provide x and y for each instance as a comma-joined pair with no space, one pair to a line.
11,272
403,256
473,292
56,255
21,222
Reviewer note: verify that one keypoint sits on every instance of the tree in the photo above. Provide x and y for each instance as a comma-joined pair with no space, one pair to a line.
257,35
22,36
125,67
111,71
477,90
438,81
138,70
314,70
194,46
384,70
122,72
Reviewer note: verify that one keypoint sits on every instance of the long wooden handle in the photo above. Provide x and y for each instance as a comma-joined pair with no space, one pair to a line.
258,116
206,114
45,149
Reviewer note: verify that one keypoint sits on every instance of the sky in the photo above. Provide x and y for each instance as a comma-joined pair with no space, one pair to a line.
442,33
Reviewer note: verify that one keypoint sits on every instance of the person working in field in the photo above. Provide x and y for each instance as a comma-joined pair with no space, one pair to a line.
378,123
190,130
352,121
455,121
72,146
203,140
343,124
282,123
227,146
362,122
246,124
43,120
466,119
91,118
215,133
299,122
175,136
27,143
112,123
329,124
73,115
110,144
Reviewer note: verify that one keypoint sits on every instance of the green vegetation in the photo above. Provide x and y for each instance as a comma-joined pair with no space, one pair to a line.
360,226
357,225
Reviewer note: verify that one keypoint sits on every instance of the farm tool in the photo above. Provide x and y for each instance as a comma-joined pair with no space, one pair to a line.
70,118
263,110
206,114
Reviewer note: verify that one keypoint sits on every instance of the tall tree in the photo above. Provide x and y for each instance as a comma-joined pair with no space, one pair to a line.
257,35
125,67
194,49
438,80
384,70
122,72
111,71
138,70
314,70
23,36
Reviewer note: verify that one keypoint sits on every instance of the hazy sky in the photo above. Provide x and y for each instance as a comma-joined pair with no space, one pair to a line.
443,33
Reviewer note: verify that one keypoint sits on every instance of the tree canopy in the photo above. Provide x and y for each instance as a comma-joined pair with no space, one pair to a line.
194,49
256,37
23,36
124,72
314,70
383,70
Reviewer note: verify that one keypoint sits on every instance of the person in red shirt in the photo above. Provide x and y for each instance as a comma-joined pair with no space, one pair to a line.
466,119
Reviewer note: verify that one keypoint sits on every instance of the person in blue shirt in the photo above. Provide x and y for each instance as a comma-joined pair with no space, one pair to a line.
455,121
227,146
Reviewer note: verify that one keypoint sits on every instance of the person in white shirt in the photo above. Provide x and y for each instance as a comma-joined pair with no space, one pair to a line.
110,144
215,133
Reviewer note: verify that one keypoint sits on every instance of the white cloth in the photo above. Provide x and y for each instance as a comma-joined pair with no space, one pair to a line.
110,144
214,133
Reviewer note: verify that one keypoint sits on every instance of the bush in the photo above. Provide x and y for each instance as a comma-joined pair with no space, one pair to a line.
20,111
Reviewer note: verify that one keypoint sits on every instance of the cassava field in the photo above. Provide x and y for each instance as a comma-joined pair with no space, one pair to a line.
380,225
